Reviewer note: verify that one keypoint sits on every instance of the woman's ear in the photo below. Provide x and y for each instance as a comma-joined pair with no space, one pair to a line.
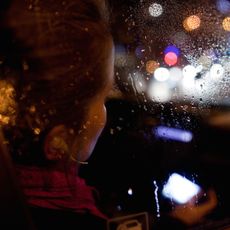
55,145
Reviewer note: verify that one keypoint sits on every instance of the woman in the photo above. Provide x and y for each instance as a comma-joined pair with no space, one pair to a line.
56,68
56,71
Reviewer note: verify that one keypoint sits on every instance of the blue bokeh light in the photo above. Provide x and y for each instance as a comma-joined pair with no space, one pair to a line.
223,6
173,49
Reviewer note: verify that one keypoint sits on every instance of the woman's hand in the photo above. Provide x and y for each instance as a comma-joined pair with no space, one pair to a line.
191,212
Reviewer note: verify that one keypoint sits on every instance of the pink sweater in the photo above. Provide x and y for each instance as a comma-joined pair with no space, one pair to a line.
55,188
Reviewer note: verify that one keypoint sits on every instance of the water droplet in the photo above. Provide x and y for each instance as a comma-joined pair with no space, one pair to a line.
37,131
156,198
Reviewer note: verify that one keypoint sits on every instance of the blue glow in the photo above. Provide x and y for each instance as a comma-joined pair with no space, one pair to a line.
223,6
228,52
120,49
173,49
173,134
140,51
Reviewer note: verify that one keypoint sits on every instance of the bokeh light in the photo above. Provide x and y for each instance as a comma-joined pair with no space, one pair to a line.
159,92
223,6
205,61
191,23
216,71
226,24
175,74
199,68
140,51
189,72
173,49
151,66
188,87
155,10
130,191
175,77
161,74
170,58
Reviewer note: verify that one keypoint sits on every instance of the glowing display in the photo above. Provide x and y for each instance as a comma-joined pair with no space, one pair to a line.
191,23
180,189
173,134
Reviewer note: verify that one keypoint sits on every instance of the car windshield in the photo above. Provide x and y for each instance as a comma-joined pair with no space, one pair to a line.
169,111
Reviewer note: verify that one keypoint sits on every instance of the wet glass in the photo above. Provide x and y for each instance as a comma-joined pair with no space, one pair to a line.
170,109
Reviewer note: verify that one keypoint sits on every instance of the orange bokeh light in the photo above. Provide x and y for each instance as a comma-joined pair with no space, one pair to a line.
226,24
151,66
191,23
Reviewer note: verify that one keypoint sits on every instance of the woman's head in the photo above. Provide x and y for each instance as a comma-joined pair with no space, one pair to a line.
57,56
